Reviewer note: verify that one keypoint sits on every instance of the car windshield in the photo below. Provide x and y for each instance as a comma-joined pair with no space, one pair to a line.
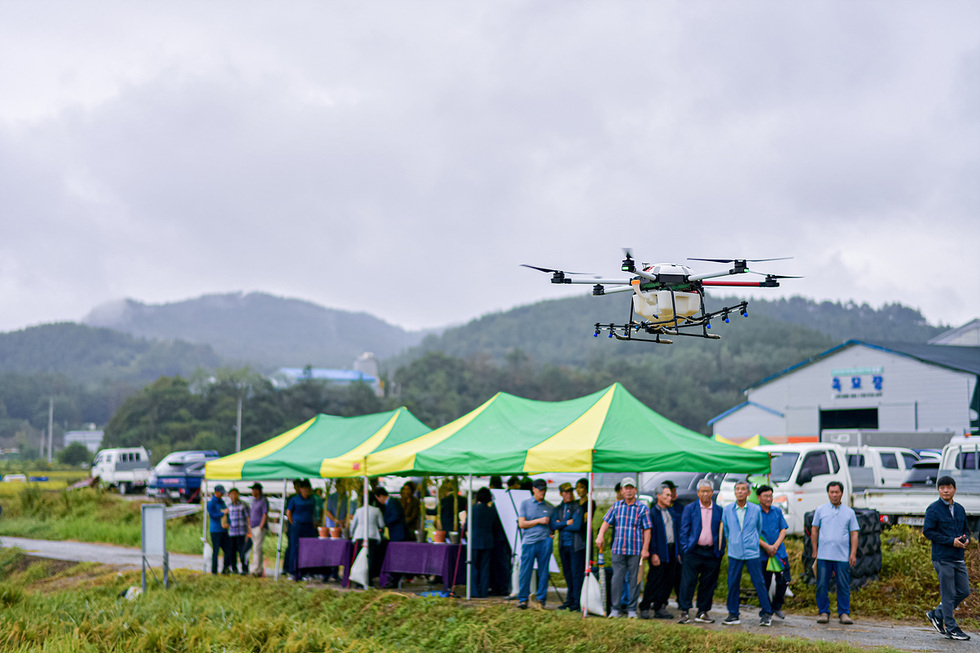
782,465
680,479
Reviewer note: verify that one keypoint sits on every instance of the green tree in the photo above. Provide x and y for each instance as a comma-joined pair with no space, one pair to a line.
74,454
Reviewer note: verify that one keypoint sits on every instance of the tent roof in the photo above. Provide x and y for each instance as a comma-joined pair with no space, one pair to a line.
607,431
326,446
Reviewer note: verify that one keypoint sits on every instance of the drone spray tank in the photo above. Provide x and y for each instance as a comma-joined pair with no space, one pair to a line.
665,305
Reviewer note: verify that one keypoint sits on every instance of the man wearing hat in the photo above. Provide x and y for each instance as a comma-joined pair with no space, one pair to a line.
219,534
534,520
258,518
630,547
567,520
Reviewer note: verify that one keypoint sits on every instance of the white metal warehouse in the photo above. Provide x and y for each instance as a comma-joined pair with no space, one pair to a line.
914,395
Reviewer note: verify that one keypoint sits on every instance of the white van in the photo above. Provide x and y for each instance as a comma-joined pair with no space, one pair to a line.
799,477
880,466
124,469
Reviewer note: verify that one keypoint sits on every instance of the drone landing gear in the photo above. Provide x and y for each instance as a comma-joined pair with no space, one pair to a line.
699,326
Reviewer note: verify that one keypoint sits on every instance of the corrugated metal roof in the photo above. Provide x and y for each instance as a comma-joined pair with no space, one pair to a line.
321,374
962,359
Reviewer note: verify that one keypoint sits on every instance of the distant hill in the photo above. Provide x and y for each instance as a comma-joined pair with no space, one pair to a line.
260,329
560,331
87,354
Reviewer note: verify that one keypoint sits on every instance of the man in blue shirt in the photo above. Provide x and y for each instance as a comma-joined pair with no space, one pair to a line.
534,519
834,535
219,534
742,522
567,521
774,529
945,526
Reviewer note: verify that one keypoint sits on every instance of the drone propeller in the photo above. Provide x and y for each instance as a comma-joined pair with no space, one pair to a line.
550,270
746,260
774,276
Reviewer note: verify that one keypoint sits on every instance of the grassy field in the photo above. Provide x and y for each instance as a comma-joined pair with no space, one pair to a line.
906,589
57,607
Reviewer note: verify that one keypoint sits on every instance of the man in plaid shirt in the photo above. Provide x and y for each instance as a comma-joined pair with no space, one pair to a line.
630,547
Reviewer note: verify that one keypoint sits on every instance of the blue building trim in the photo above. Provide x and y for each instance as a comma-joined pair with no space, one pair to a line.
742,405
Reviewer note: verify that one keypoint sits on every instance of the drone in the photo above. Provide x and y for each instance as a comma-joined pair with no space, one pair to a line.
668,298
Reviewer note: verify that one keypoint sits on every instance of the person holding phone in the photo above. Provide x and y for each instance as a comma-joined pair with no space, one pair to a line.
945,526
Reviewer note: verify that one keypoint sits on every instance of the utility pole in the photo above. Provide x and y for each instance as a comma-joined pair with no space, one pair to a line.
238,437
50,427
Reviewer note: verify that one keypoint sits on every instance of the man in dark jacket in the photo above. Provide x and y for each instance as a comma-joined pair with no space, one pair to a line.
664,560
394,515
567,521
945,526
702,545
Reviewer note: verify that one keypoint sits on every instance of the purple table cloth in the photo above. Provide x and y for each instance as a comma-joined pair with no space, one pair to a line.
314,552
424,558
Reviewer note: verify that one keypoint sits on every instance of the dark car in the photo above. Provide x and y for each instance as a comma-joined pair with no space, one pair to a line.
923,472
686,482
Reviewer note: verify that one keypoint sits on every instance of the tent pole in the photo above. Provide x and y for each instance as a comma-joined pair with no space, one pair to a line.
469,540
204,535
588,545
282,518
367,506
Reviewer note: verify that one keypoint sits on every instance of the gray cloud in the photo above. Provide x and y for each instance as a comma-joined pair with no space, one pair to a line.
404,159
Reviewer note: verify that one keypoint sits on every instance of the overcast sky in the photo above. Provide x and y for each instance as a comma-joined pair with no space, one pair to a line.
404,158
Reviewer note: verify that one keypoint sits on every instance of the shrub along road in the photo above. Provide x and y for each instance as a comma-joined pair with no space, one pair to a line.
864,633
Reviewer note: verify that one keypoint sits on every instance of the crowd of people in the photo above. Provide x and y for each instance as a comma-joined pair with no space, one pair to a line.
683,549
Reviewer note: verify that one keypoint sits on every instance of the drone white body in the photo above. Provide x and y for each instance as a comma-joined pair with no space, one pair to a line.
668,298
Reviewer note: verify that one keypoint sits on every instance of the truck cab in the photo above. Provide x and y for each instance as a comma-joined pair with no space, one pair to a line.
799,477
877,467
179,475
123,469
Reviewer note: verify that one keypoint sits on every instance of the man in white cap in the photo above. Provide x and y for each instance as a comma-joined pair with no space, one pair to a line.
631,519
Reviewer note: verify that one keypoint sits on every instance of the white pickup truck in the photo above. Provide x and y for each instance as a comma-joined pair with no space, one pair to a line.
123,469
961,461
799,477
879,467
800,474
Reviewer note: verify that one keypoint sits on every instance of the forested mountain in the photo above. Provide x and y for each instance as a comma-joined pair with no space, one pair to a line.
260,329
560,331
87,354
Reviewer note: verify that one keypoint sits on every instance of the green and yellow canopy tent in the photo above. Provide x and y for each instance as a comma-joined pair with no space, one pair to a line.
607,431
326,446
756,441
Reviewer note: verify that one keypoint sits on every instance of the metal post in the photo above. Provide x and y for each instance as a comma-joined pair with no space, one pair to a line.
282,521
50,427
204,535
588,546
238,436
469,541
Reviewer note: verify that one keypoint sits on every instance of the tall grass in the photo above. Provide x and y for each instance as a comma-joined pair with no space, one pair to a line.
213,613
88,515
